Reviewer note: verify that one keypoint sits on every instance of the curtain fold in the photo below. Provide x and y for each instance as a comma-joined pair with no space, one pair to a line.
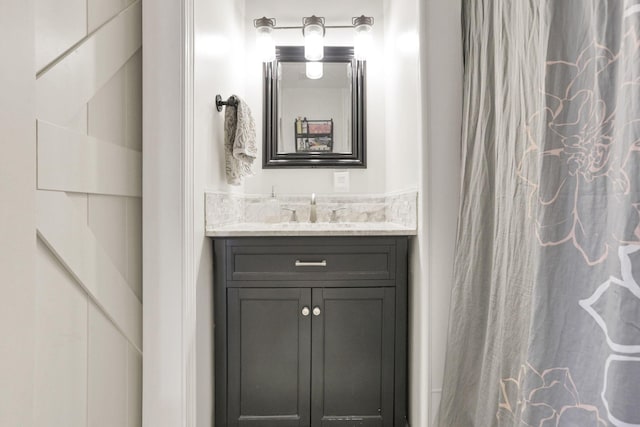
545,318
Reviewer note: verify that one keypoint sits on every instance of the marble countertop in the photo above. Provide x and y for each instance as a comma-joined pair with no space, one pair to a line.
232,215
311,229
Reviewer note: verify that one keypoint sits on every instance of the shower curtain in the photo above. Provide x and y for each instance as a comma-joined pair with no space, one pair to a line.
545,318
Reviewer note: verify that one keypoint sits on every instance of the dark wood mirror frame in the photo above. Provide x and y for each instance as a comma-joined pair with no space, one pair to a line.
357,158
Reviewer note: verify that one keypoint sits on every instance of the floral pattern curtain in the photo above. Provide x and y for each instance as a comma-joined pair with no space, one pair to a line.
545,318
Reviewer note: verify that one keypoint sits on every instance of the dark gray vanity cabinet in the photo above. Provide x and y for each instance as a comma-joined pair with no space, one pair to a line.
310,331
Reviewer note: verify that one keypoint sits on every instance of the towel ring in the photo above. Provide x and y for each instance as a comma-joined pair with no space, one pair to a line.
231,102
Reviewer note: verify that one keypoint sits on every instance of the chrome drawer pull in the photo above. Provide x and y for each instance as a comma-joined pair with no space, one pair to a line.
322,263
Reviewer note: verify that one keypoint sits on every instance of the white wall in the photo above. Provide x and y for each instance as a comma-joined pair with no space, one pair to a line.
404,149
336,12
193,51
441,74
17,212
218,69
402,100
424,50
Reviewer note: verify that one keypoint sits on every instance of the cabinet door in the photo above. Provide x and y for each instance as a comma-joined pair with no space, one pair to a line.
352,357
268,357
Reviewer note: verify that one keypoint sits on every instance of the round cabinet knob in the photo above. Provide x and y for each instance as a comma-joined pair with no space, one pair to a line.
316,311
305,311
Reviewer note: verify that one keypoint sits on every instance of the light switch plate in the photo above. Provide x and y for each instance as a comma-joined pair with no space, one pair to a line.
341,182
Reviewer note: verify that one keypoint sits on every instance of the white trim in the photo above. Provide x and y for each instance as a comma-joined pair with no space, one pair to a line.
168,259
190,263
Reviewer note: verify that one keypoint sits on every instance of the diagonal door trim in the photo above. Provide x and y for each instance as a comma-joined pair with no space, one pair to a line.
71,161
65,233
65,88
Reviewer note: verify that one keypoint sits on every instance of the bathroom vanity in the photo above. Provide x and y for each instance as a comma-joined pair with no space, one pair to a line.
310,331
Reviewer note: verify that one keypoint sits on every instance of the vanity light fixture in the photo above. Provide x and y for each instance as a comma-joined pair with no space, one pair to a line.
313,29
314,70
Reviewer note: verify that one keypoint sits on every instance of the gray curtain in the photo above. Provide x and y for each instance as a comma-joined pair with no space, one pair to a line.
545,318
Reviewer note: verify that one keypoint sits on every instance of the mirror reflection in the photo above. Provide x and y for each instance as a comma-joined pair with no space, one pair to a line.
314,111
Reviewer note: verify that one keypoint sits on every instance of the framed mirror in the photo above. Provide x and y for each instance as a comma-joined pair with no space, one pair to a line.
314,122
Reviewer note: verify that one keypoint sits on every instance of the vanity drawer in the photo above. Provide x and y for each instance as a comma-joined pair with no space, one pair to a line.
281,261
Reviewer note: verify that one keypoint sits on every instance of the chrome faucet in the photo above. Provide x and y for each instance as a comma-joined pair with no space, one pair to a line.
313,215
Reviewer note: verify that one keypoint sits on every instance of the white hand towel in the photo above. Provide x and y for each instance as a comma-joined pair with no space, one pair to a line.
239,142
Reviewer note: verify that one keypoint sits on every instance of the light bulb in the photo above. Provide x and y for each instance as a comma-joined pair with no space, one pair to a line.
314,70
363,40
265,45
313,31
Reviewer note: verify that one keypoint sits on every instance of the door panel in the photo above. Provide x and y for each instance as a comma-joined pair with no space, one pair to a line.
269,357
352,358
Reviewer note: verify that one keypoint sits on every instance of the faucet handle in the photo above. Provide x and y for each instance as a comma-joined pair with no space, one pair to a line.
294,215
334,216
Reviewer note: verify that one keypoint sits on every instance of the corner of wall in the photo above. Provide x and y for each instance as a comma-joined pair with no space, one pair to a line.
219,69
441,72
